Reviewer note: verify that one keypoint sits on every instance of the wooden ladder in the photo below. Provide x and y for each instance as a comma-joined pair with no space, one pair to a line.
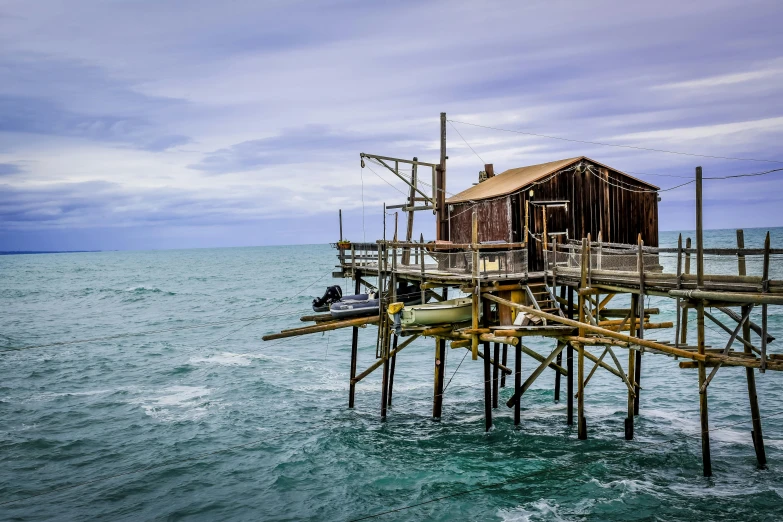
543,299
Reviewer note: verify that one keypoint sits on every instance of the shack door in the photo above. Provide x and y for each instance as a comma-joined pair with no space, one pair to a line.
550,220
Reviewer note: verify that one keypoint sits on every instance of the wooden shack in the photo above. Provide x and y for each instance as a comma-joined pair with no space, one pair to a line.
567,199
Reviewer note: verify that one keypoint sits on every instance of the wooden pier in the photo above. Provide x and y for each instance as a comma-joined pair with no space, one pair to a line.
565,297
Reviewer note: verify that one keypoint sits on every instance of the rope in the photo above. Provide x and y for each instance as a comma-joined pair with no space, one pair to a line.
615,145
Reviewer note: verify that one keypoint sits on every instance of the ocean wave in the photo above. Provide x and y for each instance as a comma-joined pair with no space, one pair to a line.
178,403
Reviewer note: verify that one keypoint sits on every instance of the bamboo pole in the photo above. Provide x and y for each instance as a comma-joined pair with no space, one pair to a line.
641,326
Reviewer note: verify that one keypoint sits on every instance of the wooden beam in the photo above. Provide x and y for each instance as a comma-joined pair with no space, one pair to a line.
377,364
530,380
597,329
322,328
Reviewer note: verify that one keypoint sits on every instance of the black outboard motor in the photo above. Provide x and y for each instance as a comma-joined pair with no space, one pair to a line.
332,295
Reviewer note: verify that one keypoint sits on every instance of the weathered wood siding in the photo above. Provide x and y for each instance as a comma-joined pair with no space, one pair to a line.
599,200
494,221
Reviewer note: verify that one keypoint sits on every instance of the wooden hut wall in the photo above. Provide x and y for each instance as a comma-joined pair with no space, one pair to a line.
596,203
494,221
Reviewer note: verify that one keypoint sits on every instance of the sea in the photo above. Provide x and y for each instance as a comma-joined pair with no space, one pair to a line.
157,417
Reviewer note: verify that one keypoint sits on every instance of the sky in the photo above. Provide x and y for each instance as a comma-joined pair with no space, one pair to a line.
135,124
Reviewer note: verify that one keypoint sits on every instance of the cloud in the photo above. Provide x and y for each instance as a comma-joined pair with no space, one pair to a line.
7,169
144,114
290,146
86,103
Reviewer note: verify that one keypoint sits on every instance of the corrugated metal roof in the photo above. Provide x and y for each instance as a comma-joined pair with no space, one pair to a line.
514,179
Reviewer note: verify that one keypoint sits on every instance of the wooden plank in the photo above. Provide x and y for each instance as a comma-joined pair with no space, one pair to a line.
322,328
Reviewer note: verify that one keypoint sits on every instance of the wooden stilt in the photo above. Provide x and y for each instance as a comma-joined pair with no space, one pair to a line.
559,362
487,373
570,365
631,370
495,381
560,355
582,423
385,376
755,414
580,416
487,390
504,361
640,307
391,370
518,381
440,367
705,425
354,352
684,321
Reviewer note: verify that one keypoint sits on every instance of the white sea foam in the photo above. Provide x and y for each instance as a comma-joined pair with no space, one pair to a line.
542,509
177,403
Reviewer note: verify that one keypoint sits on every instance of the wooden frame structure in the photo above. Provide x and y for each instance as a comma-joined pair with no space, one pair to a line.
568,303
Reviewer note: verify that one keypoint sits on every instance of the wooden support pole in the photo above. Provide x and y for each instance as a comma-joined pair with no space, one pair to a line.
354,349
495,377
755,414
581,422
580,416
504,362
631,370
703,413
570,365
684,323
640,299
764,289
406,252
517,382
440,368
487,374
385,376
559,360
679,284
476,288
440,196
391,369
530,380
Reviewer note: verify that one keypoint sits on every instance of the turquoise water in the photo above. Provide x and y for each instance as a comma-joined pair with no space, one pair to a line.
85,412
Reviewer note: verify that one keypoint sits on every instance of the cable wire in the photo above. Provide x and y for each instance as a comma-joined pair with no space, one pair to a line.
466,143
615,145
